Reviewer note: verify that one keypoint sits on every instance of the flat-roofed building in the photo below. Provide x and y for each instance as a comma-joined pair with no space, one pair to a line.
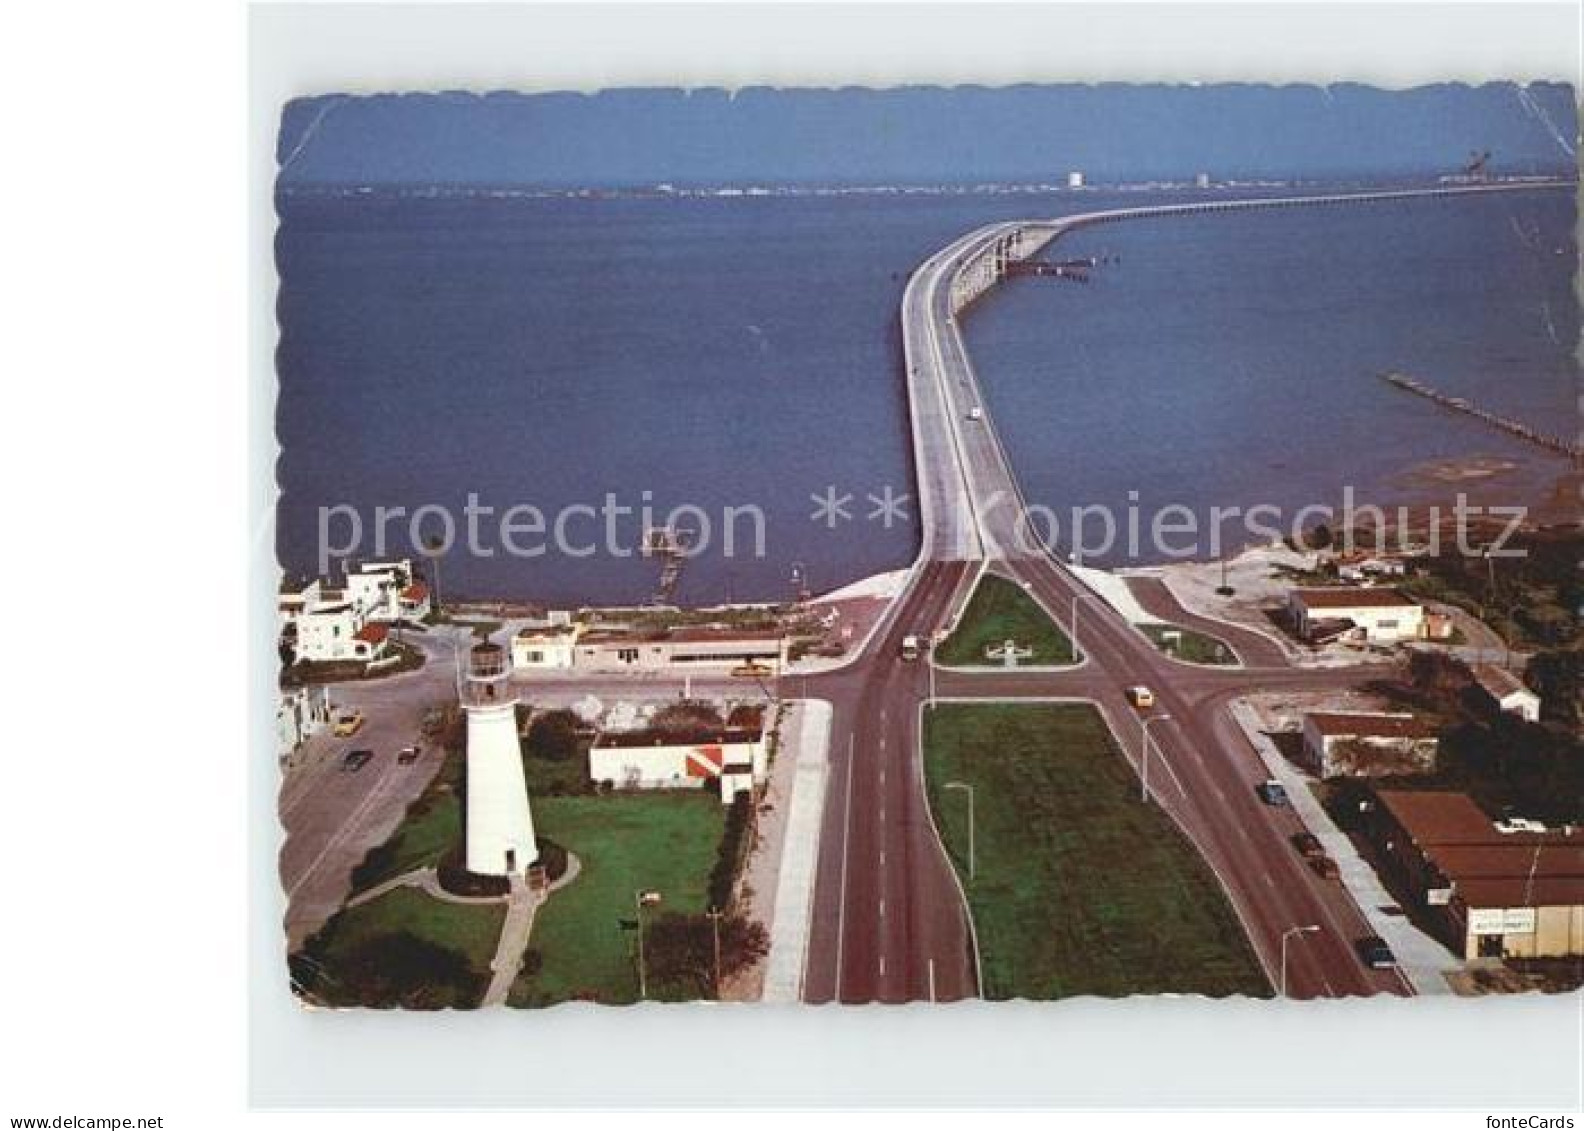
551,647
1378,614
732,755
1490,893
1366,744
682,649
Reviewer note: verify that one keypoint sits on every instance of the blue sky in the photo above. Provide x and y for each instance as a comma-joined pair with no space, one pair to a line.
924,135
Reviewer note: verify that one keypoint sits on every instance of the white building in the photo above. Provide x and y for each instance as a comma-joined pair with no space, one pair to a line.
337,632
682,649
1366,744
734,756
551,647
415,602
1378,615
1507,692
499,823
300,713
379,589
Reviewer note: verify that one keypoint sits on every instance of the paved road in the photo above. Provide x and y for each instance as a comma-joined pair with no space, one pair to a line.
890,923
332,818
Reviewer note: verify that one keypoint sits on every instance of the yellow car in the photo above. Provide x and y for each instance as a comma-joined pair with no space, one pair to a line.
349,724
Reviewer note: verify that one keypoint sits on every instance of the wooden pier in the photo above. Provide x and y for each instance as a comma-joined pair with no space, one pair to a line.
671,547
1573,448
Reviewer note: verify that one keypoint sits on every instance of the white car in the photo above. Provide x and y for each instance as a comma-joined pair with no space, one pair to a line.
976,413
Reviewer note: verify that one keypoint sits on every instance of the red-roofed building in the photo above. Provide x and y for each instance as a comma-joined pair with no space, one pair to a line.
1517,893
1362,744
733,755
414,602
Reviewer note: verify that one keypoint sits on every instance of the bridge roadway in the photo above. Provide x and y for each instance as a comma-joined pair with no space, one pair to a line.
890,923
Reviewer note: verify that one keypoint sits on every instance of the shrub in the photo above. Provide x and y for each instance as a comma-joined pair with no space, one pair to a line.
553,736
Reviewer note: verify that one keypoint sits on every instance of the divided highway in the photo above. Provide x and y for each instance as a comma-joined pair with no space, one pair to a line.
890,922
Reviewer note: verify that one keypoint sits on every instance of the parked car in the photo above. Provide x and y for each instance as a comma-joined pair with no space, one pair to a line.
407,755
348,724
1374,953
355,760
1325,867
1272,792
1307,845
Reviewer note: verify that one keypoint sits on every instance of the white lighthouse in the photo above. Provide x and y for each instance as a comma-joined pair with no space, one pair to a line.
500,831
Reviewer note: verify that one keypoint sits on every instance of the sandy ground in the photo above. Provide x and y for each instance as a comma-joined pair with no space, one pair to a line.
851,613
1114,591
1258,586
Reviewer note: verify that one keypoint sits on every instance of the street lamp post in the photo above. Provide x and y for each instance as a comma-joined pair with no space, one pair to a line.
935,638
642,899
714,915
1144,755
1287,935
968,789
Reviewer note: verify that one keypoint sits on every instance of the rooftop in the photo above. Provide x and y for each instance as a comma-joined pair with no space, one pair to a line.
1344,597
714,736
1499,681
1360,724
548,632
372,633
1489,868
1434,817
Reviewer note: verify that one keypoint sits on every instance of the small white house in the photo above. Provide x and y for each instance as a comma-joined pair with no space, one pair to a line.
1376,614
300,713
339,632
415,602
377,588
1507,692
733,756
547,648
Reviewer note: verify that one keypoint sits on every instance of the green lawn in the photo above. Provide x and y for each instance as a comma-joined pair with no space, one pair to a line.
433,824
1000,610
348,953
1080,888
626,842
1190,646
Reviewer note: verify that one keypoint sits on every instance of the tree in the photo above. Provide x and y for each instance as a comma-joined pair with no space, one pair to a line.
688,717
396,969
553,736
680,949
1558,678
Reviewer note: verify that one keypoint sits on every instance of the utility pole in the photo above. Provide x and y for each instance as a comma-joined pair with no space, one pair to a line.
1287,937
714,914
642,899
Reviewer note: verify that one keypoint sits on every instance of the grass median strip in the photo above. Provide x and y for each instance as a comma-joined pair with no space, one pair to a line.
1187,645
1079,888
1000,610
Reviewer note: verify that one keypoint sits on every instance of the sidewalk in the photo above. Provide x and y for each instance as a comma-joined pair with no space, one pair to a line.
1423,961
805,749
